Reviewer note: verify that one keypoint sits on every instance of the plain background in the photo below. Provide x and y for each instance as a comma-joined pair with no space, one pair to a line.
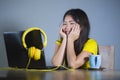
104,17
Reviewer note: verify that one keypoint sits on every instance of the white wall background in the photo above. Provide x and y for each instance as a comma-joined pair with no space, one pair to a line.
104,16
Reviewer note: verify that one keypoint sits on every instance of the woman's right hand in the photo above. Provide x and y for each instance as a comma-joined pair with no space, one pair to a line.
62,32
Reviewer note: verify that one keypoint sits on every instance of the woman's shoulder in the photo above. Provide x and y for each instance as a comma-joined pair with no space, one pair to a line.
91,40
91,45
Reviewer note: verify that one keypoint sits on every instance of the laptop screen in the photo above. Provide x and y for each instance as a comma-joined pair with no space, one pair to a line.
17,55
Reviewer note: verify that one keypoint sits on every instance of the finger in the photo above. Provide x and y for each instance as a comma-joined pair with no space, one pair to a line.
74,27
62,28
77,29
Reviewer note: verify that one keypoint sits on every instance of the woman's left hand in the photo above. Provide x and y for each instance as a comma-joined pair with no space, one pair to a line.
75,32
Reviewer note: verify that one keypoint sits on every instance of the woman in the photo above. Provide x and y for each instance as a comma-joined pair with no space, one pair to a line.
74,46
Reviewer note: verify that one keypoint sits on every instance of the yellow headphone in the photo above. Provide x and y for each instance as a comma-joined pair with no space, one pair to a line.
34,52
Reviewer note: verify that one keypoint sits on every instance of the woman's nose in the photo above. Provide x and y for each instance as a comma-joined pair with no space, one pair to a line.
67,26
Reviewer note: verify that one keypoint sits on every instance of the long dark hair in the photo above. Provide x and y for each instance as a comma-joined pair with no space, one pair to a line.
80,17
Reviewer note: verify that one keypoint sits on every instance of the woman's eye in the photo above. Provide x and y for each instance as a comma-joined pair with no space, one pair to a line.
72,23
64,24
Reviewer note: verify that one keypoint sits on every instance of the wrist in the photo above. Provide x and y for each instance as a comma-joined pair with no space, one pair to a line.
64,39
70,39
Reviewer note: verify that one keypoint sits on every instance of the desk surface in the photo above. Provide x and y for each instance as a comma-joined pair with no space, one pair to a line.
60,75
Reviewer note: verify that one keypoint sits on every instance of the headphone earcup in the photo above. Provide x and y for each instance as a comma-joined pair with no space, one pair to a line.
37,54
34,53
31,52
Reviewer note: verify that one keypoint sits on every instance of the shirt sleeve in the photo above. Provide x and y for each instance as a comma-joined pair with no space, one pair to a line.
91,46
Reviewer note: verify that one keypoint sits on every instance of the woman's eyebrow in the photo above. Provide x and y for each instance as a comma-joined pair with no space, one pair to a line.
70,21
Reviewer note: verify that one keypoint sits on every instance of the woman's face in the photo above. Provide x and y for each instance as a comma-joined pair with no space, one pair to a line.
68,24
